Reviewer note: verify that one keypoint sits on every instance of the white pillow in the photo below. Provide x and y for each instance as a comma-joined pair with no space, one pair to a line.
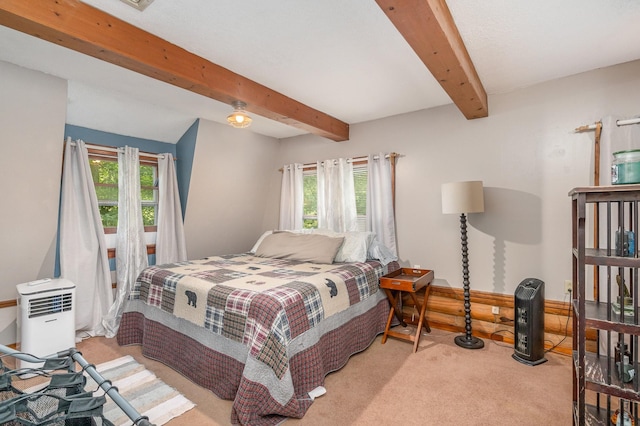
257,244
262,237
355,246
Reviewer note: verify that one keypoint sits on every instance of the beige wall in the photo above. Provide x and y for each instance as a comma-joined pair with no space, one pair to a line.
32,116
527,156
228,190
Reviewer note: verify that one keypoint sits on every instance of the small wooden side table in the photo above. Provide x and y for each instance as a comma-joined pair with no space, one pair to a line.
408,280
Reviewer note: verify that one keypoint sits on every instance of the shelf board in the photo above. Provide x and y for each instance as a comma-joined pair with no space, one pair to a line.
603,194
600,315
600,376
604,257
629,192
594,416
596,318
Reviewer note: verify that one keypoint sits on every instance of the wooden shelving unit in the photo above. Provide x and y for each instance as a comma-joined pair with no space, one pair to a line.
602,215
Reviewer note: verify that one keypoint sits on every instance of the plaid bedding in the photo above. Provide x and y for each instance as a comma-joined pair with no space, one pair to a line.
257,319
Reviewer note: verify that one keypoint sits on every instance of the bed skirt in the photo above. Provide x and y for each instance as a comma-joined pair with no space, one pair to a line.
224,366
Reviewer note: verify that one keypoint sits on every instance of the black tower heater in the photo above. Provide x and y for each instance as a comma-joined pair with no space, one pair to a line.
529,322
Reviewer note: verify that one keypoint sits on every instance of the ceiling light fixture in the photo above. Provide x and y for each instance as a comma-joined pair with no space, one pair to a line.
138,4
239,118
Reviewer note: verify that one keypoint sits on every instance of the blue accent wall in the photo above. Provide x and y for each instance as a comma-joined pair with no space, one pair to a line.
98,137
183,151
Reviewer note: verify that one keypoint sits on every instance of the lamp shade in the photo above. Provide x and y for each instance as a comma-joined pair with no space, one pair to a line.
463,197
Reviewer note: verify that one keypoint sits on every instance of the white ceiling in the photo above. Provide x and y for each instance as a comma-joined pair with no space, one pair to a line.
344,58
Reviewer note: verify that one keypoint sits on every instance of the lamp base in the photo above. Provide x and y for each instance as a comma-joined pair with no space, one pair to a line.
469,343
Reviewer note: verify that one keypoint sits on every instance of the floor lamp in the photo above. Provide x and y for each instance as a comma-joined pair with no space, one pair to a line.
462,198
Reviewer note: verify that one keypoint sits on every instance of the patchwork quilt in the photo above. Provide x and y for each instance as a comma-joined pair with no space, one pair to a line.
261,312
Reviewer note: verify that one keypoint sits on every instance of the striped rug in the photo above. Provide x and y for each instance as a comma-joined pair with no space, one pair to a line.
149,395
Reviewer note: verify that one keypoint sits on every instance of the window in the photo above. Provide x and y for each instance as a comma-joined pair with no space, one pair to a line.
360,175
104,169
310,190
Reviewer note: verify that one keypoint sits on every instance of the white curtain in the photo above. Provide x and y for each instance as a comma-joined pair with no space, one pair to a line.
131,249
336,196
170,244
83,251
291,197
380,215
615,138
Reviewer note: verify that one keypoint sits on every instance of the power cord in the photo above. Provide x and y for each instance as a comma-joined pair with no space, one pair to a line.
498,333
566,326
566,330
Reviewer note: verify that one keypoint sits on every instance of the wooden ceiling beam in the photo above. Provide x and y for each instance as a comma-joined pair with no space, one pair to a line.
428,27
85,29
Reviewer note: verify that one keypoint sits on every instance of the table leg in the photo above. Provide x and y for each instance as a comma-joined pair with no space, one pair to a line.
393,300
422,309
422,320
388,326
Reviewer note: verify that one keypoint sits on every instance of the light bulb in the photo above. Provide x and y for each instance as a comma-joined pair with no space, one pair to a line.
239,118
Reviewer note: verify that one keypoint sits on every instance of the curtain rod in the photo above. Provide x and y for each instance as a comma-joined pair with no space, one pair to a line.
114,149
392,155
618,122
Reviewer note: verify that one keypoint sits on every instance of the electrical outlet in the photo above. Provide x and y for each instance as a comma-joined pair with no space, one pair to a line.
495,310
568,286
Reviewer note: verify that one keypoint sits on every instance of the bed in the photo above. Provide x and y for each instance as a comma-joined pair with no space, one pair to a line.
261,328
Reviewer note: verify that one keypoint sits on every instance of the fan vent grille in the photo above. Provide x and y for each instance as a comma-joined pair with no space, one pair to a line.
50,305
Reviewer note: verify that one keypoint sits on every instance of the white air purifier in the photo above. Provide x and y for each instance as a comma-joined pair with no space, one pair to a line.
46,318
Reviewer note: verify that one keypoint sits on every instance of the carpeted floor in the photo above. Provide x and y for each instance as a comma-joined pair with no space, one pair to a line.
388,384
